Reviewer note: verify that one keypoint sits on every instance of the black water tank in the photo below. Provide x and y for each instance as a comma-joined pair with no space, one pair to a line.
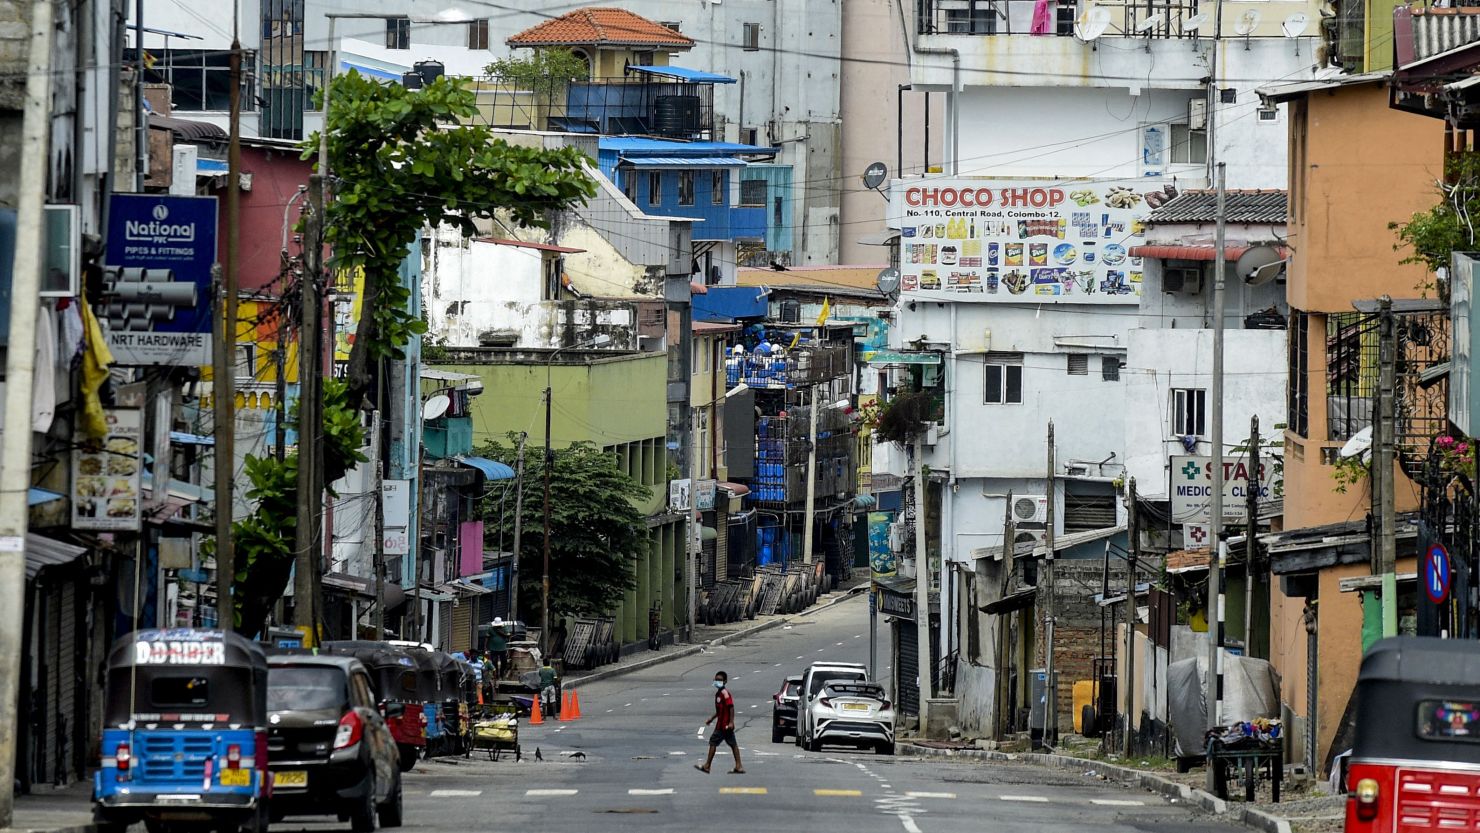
411,80
429,70
677,114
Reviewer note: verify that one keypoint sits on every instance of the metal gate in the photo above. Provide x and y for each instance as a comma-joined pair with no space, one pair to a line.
462,624
906,667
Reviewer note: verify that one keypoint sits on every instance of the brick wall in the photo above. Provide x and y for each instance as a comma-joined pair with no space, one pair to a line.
1077,624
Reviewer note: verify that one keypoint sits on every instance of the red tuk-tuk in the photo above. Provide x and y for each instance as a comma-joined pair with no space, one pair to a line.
393,672
1415,765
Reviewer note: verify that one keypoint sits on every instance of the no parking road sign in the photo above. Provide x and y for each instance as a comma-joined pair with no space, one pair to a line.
1436,573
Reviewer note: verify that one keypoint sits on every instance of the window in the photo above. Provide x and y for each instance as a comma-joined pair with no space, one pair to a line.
180,691
1189,412
979,21
1298,399
478,34
305,688
717,187
751,38
748,135
655,188
1449,720
685,187
398,33
778,219
200,79
1078,364
1003,382
753,192
1189,147
675,25
1268,115
629,184
1110,369
315,63
246,361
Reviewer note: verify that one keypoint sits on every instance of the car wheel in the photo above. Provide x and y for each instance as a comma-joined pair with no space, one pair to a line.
778,735
885,749
408,757
362,815
390,811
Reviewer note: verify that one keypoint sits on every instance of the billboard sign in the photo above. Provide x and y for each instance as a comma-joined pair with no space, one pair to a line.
1022,241
157,295
1192,488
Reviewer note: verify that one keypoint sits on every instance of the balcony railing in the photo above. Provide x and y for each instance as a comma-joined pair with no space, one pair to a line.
1148,19
615,107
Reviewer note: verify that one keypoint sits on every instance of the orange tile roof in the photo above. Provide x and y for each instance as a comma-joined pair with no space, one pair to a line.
600,26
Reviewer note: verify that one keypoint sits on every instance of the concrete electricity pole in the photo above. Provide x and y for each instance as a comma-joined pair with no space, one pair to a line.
1382,465
1050,683
811,506
1133,535
1251,531
20,367
310,416
922,590
223,381
1214,693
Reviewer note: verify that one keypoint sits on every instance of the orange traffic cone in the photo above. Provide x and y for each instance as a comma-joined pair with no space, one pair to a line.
535,718
575,703
566,711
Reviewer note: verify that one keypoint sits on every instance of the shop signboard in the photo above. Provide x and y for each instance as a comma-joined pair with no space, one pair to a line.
1022,241
157,284
1192,488
881,557
106,475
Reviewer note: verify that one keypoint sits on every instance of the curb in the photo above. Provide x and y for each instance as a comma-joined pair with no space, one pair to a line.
1206,801
78,828
691,650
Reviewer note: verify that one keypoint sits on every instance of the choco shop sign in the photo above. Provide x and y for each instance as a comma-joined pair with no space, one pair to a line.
931,196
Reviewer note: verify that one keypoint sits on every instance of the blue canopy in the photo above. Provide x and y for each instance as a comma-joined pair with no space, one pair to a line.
492,469
650,162
697,76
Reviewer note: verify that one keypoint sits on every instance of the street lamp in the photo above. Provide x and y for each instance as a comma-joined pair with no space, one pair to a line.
545,642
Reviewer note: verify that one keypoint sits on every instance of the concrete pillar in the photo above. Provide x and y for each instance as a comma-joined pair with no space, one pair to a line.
644,595
668,539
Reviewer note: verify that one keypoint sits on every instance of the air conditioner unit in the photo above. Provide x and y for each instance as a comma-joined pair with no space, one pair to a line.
1030,509
1197,113
1029,536
932,434
1186,279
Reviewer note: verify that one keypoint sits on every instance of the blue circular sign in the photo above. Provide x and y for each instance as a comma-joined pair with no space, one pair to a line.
1436,574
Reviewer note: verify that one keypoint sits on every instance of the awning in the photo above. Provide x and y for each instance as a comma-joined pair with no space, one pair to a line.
447,375
1188,561
459,587
658,162
735,489
43,552
1192,252
1141,589
211,167
697,76
1021,600
880,357
525,244
1074,539
492,469
38,497
352,584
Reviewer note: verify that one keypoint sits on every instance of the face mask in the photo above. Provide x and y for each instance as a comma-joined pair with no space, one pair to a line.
719,683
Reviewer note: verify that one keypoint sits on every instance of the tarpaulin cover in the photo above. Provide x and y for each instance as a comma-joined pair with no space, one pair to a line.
1250,690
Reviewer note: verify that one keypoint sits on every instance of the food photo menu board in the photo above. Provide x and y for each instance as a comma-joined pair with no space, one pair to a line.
107,473
1023,241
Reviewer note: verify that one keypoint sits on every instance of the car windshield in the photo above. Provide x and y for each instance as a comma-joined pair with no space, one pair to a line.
790,688
821,678
180,691
305,688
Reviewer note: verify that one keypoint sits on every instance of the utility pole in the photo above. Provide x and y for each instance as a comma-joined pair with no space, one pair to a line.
310,416
20,368
1004,642
811,505
1133,534
512,580
1051,683
922,591
378,551
223,381
1214,693
1382,465
545,641
141,119
692,547
1251,530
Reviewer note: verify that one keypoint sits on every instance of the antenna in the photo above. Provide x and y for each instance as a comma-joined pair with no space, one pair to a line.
1294,26
1092,24
1151,21
1192,24
1247,23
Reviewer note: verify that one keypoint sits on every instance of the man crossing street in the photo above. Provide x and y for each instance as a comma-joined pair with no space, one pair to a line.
724,720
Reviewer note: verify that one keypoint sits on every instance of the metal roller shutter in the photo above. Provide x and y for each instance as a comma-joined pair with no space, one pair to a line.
907,667
462,624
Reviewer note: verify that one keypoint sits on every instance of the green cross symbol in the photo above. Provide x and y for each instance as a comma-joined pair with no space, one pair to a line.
1190,470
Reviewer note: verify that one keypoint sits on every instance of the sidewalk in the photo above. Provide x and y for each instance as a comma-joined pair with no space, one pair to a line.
707,636
55,809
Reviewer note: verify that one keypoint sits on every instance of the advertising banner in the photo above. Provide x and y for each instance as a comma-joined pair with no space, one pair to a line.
396,500
1192,488
1022,241
106,476
157,295
880,557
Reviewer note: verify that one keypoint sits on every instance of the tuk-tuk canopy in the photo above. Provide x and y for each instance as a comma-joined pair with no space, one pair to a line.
428,676
1418,698
186,675
393,671
451,670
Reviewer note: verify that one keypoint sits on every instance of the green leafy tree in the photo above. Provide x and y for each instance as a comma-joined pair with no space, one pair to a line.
400,160
596,531
1431,236
544,72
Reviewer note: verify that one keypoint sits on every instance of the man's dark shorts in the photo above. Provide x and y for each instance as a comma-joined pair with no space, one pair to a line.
724,736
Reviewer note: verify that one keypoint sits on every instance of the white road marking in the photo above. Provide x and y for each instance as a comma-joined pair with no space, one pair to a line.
609,711
1036,799
886,786
820,650
840,644
549,793
628,706
668,791
456,793
667,693
1117,802
678,753
930,795
857,636
909,824
757,671
777,665
753,707
798,657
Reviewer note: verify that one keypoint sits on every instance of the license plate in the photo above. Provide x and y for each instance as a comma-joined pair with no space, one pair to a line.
290,778
236,777
855,707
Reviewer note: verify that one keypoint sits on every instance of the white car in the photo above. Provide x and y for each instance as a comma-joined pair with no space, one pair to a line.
850,713
813,679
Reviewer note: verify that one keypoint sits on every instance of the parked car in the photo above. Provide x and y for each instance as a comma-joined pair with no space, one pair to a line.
848,713
784,709
329,748
816,676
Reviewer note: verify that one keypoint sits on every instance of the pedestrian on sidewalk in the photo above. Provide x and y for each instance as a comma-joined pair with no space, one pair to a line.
549,688
724,730
498,646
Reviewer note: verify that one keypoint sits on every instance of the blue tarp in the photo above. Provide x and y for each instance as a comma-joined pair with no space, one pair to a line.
492,469
697,76
730,303
36,497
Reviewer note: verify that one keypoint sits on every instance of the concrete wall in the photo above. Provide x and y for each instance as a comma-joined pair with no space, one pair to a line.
473,287
276,173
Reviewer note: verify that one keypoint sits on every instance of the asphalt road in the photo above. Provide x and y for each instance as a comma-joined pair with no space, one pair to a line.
639,740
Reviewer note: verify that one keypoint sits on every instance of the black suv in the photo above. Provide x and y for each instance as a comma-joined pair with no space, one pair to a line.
329,749
784,710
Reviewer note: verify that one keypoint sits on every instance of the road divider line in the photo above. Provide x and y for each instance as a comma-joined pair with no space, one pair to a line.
837,793
456,793
909,824
1117,802
549,793
1036,799
930,795
667,791
742,790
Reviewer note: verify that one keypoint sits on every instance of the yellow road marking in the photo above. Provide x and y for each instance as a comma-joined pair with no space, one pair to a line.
742,790
837,793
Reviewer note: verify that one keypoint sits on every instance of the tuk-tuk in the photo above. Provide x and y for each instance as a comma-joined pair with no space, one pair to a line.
1417,737
452,709
429,692
393,673
184,732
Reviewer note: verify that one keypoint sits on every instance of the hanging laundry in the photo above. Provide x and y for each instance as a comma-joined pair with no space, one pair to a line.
95,360
1042,18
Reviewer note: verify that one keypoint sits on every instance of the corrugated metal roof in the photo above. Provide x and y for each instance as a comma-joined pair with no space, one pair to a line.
635,144
1436,31
1194,252
189,131
1201,206
599,25
525,244
43,552
1277,93
697,76
649,162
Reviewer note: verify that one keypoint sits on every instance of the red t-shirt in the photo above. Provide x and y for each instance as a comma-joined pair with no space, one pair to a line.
724,708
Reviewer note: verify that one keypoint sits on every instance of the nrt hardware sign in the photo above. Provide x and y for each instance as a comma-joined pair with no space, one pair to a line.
157,286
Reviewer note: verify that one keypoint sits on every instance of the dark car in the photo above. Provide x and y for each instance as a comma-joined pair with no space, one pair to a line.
329,749
784,709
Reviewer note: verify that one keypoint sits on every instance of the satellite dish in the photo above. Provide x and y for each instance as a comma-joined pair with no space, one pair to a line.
1092,24
1253,265
1151,21
888,280
436,406
874,175
1360,443
1247,22
1192,24
1294,25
